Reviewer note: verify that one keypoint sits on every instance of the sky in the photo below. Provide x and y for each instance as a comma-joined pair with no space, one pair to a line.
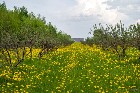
77,17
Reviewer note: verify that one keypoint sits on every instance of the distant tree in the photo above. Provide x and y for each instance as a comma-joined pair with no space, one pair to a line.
135,35
116,37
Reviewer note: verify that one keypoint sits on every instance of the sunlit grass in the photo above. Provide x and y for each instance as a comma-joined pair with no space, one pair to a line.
74,69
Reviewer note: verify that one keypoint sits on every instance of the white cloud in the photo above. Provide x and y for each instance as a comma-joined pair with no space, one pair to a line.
100,10
131,8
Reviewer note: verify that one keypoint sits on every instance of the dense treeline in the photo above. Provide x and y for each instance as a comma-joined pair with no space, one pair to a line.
20,29
116,37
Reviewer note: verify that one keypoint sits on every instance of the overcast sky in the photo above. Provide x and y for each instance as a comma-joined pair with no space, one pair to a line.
76,17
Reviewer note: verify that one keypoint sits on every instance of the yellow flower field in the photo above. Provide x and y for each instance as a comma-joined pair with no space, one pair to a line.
76,68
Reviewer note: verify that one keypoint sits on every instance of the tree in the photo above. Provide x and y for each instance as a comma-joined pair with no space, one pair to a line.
20,29
116,37
135,34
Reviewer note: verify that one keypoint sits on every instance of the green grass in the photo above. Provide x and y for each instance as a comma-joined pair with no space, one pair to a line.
74,69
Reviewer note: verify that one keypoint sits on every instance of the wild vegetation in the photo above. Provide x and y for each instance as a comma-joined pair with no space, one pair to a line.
117,37
20,29
75,68
37,58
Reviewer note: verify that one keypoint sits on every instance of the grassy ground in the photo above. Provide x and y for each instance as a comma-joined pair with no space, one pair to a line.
74,69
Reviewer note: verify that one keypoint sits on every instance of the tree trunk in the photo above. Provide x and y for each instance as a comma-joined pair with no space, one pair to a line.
139,50
123,52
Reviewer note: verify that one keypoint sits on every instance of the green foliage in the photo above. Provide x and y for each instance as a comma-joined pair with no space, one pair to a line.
89,41
117,37
20,29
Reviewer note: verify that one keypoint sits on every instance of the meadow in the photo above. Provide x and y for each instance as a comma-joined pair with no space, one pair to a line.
76,68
